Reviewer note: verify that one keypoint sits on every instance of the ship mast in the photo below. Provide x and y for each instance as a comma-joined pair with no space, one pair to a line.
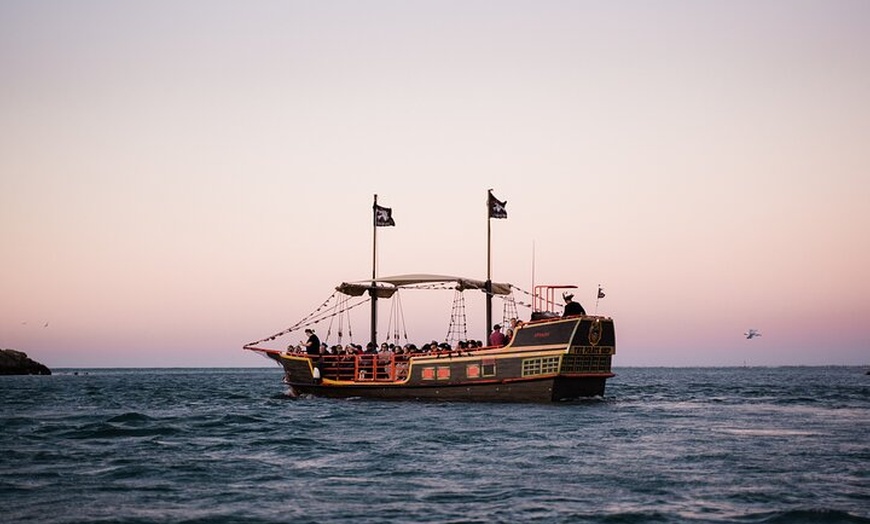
488,288
373,292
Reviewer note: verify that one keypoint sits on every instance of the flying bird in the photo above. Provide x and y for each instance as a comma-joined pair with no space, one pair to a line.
752,333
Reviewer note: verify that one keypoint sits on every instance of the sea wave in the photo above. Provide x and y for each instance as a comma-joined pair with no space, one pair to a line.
664,445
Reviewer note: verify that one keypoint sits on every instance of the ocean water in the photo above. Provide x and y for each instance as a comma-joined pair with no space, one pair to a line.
741,445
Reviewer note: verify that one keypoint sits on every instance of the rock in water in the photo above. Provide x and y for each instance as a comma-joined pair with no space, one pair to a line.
18,363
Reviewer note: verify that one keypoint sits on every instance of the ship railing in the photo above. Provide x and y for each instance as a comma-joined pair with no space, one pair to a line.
367,367
375,367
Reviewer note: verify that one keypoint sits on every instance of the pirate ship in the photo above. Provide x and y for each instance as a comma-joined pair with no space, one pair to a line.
554,356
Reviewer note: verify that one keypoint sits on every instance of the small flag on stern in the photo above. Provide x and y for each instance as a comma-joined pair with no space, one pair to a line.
384,216
600,292
496,207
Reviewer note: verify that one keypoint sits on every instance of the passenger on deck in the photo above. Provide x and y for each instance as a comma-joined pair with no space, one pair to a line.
572,308
367,362
346,362
312,345
384,354
401,359
384,358
511,331
497,338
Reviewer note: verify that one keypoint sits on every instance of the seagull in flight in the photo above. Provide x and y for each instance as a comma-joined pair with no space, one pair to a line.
752,333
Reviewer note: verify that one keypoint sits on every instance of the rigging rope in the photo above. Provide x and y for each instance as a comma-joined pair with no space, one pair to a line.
509,310
309,320
396,320
319,315
457,319
340,310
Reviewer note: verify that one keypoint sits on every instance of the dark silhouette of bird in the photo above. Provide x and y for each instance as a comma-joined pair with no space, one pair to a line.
752,333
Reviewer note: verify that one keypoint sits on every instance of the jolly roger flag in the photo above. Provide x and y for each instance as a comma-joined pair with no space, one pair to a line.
383,216
496,207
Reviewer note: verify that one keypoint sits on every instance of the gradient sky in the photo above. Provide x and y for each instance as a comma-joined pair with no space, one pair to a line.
180,178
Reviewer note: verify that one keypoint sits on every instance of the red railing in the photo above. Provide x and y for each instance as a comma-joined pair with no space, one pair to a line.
366,367
545,297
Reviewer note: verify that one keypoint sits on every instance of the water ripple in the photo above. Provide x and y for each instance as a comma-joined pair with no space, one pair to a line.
665,445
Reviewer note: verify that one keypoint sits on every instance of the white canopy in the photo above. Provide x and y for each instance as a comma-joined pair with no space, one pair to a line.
397,281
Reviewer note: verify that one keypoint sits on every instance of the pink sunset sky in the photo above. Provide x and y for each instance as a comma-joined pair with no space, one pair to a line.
180,178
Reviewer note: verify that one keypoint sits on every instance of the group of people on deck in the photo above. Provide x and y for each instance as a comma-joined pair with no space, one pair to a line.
498,339
314,347
387,362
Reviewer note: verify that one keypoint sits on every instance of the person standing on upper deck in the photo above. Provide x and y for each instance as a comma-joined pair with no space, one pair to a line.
572,308
497,338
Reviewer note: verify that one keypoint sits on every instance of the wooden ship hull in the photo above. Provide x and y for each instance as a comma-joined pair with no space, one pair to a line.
552,359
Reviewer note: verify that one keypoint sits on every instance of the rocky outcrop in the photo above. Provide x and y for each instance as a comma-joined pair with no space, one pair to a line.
18,363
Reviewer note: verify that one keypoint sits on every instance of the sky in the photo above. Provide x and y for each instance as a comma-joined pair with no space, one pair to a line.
178,179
